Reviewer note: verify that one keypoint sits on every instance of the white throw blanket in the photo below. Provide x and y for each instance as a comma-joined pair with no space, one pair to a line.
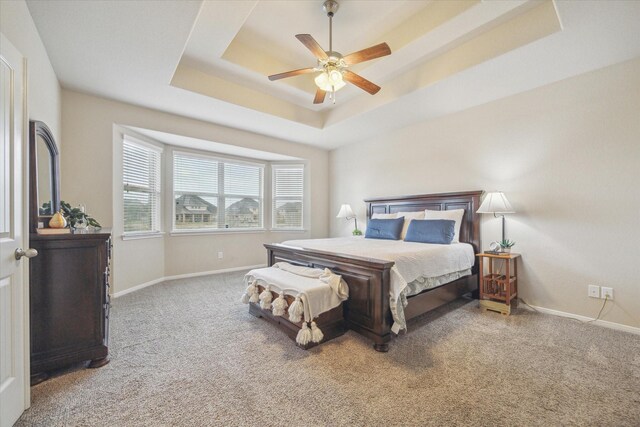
310,284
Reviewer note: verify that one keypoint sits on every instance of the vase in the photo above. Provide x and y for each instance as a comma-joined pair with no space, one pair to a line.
57,221
506,250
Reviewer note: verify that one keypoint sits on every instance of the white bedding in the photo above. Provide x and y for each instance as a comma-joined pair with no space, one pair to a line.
413,261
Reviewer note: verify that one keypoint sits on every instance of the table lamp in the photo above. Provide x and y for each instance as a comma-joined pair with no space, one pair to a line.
347,212
496,203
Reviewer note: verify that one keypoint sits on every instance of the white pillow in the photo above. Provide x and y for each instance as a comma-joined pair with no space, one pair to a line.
454,214
408,216
384,216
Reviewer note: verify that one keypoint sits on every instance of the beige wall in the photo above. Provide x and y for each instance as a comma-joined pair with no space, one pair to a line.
88,164
568,158
43,89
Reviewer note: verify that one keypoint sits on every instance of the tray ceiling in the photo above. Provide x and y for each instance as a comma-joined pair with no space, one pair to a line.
422,34
209,60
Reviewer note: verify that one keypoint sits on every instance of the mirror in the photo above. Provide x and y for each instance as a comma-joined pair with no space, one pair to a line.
44,175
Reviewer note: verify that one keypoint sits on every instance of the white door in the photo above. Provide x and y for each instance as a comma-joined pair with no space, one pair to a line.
12,286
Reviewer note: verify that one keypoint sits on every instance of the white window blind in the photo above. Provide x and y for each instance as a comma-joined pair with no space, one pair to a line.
141,185
211,193
288,194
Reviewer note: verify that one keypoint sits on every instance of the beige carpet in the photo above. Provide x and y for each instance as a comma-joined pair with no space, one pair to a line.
187,353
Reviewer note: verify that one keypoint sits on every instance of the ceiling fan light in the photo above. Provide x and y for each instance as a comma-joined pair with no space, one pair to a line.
324,81
335,77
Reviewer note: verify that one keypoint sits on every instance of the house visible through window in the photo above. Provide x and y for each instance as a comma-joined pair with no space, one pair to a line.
141,185
288,192
195,189
211,193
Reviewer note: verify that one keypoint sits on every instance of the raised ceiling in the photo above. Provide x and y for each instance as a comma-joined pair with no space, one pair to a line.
209,60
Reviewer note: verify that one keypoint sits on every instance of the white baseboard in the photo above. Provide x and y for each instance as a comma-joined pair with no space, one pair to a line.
182,276
603,323
137,287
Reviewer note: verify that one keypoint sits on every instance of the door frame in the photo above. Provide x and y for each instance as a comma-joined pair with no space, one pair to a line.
26,178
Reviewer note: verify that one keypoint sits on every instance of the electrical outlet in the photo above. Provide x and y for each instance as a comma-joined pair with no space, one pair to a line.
594,291
607,293
220,255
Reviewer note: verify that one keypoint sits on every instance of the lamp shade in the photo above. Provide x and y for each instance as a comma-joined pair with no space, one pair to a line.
495,202
345,212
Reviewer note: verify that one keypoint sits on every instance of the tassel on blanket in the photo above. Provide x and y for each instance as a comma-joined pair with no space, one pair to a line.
255,295
316,333
265,298
279,305
296,310
251,289
304,335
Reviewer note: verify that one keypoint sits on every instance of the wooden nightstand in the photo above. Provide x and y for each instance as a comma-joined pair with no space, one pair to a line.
498,289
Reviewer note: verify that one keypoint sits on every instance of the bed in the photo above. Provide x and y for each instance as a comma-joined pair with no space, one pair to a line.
369,308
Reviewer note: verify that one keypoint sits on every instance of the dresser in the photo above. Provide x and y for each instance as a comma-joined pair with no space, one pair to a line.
69,301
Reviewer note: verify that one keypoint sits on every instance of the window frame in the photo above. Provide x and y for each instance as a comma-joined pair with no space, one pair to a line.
157,219
220,195
274,199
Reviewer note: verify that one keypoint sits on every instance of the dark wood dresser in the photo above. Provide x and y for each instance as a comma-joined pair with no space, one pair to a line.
69,301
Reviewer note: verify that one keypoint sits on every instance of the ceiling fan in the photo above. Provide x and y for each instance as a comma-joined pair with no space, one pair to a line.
332,66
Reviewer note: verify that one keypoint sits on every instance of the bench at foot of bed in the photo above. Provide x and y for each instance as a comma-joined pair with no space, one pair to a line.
331,323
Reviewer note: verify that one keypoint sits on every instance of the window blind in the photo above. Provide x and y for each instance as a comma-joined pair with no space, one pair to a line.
288,196
141,185
195,174
216,194
242,179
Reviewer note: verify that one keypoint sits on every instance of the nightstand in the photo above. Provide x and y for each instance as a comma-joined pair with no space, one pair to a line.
499,284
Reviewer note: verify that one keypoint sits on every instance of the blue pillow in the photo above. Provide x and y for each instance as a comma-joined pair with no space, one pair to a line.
389,229
439,231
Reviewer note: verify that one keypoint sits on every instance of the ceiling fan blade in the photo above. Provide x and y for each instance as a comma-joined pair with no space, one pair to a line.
361,82
312,45
367,54
291,73
320,94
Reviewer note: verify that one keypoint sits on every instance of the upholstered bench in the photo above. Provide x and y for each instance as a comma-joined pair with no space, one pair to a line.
303,302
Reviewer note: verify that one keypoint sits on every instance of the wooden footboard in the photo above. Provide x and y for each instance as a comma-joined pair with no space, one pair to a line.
367,309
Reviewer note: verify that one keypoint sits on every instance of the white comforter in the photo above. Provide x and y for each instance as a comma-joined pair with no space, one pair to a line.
412,260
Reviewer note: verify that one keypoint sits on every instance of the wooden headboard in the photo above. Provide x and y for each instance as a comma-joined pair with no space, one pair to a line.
468,200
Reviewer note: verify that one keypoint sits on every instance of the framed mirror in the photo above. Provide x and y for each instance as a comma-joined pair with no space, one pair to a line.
44,174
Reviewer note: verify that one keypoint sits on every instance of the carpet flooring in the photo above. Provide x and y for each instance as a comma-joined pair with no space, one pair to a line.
187,353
